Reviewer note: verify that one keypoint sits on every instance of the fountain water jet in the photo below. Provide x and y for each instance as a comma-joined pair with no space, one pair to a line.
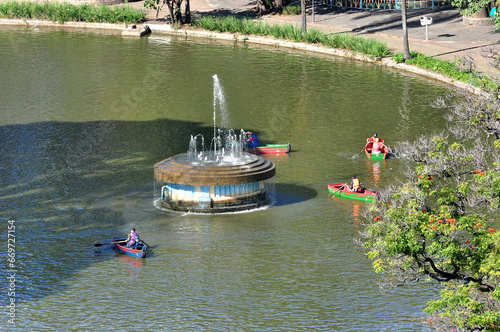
221,179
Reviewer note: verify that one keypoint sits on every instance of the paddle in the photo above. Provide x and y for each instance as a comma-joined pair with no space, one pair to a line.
363,149
104,244
339,188
124,241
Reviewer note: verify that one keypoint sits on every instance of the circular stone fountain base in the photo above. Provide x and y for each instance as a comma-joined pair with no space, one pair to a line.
195,184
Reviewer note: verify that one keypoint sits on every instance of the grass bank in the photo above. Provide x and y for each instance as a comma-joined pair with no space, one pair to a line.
454,70
66,12
245,26
367,46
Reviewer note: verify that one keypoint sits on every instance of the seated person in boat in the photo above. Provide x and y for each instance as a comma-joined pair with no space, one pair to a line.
368,147
377,147
252,140
355,184
132,238
373,138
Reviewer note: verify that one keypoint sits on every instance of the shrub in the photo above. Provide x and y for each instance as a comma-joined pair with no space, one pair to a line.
63,12
292,10
246,26
447,68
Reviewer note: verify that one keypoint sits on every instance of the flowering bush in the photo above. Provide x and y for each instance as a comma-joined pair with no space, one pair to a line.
440,223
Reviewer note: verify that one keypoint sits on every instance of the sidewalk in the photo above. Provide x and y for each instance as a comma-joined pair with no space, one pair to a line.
448,37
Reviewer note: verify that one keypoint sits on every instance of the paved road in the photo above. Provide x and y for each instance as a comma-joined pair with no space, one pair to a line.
448,37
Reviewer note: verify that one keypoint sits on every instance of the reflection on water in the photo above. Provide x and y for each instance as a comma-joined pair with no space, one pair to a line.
356,214
131,264
356,208
376,168
97,111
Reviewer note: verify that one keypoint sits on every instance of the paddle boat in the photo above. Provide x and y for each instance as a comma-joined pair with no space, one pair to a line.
271,149
138,250
342,190
375,156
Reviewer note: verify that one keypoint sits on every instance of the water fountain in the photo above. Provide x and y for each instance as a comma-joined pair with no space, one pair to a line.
221,179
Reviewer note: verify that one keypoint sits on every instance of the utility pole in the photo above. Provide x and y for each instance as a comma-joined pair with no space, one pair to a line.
406,45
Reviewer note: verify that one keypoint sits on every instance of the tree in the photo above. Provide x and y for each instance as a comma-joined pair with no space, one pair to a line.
471,7
262,7
271,6
477,7
406,45
174,9
187,12
442,223
303,14
279,4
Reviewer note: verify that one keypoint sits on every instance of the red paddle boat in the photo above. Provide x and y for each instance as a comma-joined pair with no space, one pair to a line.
342,190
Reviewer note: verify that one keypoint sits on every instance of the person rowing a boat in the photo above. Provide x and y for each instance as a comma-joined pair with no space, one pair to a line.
378,146
373,138
355,184
370,141
132,238
252,140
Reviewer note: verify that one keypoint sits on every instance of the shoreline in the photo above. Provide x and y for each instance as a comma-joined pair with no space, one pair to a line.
260,40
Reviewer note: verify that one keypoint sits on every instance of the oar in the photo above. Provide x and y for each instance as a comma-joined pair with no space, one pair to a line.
105,244
339,188
102,244
140,240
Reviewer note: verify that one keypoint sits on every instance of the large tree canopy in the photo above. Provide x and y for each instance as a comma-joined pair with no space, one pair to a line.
442,223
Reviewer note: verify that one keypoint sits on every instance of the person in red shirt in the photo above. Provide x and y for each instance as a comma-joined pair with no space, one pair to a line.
373,138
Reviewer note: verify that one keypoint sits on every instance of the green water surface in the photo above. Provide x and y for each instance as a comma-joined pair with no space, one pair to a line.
84,116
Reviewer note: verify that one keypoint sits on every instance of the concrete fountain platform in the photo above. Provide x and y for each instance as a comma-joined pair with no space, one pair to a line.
202,186
247,170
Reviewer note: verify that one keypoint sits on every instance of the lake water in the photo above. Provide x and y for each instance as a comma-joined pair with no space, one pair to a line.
86,115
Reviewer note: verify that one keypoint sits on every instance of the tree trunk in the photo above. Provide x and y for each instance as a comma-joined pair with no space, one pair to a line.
188,13
406,45
177,12
261,7
170,6
278,6
312,7
303,12
174,9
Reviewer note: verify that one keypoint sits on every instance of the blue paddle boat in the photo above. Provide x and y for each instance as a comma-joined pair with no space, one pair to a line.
137,250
